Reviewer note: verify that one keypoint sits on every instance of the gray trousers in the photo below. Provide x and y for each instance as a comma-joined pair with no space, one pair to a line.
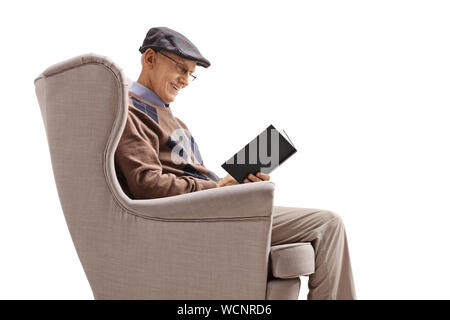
325,231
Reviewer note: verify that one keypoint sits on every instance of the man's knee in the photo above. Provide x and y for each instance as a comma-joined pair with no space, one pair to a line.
330,217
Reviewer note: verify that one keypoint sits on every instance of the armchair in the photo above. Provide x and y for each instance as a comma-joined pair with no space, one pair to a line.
210,244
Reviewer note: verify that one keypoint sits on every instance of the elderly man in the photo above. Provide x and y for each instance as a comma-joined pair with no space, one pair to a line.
158,157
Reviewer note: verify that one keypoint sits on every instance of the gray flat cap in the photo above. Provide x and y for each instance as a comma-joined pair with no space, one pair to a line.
163,38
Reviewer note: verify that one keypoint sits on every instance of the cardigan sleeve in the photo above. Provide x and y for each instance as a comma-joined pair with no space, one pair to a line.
137,158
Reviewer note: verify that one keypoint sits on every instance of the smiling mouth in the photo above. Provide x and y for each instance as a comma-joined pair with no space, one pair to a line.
175,87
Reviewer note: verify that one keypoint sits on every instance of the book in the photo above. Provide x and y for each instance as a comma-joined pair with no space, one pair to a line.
264,153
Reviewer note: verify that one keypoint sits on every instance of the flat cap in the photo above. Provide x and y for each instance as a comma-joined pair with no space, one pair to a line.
163,38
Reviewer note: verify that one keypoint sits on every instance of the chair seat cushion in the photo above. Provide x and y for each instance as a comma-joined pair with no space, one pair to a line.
292,260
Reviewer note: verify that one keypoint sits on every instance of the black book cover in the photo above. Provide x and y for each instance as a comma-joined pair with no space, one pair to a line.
264,153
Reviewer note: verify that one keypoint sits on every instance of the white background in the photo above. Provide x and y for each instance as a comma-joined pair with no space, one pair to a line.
361,87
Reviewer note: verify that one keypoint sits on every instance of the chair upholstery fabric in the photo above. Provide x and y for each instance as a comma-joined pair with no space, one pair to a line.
210,244
292,260
283,289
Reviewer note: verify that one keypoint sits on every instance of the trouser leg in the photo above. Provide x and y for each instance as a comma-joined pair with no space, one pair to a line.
325,231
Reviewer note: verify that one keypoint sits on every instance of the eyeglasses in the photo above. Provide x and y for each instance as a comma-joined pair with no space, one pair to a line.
180,68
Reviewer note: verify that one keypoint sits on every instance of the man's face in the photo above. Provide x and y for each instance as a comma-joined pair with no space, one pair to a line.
167,79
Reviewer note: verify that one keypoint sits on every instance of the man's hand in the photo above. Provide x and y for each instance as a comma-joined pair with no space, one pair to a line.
229,180
259,177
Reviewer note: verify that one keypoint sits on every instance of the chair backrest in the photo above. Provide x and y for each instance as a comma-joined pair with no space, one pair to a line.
83,102
84,107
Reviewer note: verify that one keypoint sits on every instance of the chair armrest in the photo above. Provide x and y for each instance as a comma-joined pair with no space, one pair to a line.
211,244
249,200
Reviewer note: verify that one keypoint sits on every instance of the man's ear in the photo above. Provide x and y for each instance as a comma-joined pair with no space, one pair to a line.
150,58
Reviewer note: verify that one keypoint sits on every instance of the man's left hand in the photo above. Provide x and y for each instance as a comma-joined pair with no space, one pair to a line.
256,178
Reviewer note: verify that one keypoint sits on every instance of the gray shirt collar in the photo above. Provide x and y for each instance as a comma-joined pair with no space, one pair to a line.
147,94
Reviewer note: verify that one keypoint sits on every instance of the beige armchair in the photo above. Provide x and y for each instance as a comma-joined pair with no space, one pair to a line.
211,244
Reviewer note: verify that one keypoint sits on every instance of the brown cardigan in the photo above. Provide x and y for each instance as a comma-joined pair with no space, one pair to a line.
151,159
